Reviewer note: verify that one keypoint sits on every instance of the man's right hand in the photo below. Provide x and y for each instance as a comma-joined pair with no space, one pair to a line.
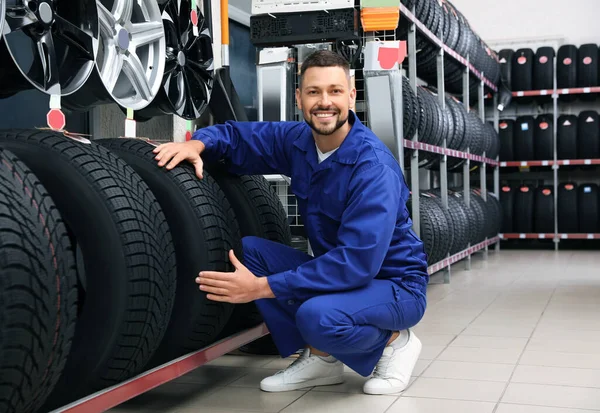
174,153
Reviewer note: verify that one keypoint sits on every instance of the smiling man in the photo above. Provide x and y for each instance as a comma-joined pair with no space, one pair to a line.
355,300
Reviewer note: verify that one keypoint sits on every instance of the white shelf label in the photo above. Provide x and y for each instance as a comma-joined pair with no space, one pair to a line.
545,163
522,236
587,162
567,162
520,94
587,90
524,163
542,236
544,92
590,236
565,91
564,236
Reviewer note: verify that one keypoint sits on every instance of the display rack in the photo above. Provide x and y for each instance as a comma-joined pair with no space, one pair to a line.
555,163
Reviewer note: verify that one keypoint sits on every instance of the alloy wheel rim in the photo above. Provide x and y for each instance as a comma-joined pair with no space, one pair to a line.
131,56
63,37
189,68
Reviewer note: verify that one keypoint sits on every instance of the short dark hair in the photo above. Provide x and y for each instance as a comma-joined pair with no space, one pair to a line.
324,58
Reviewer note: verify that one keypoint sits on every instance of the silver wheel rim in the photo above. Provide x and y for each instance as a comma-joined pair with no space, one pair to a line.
2,9
131,56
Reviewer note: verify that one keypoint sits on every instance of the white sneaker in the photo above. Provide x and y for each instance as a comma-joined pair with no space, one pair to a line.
394,369
306,371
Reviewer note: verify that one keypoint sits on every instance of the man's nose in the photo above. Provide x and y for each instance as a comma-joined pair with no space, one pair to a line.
325,100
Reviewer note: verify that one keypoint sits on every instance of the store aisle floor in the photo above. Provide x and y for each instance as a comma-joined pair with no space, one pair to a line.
519,333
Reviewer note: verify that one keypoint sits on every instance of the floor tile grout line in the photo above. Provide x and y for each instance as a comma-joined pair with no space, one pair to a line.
553,407
523,351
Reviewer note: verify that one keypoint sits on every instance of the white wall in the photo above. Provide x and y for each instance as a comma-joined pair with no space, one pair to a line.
552,22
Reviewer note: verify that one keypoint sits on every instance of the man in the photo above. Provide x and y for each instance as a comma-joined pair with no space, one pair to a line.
354,302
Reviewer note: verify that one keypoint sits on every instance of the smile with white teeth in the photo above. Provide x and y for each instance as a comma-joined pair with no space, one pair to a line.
325,115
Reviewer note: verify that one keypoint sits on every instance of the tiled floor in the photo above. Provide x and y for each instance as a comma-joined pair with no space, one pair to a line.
519,333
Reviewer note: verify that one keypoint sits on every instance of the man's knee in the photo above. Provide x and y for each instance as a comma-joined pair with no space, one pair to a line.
320,324
251,245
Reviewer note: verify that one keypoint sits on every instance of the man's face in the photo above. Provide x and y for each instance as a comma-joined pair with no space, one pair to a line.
325,98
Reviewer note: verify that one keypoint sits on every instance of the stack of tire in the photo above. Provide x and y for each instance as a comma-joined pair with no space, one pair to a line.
448,232
527,138
99,251
529,209
524,69
461,130
452,27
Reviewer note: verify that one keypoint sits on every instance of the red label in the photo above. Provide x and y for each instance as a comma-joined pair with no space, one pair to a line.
567,61
188,136
194,17
524,189
547,192
569,187
506,188
522,60
587,60
56,119
544,59
544,125
503,125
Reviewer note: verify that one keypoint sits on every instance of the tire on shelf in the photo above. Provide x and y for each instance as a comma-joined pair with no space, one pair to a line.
202,224
523,140
38,292
505,132
567,208
457,219
482,210
524,209
475,221
589,213
544,210
507,200
587,66
259,213
522,69
493,198
566,70
543,69
566,137
543,137
588,135
506,57
445,224
124,254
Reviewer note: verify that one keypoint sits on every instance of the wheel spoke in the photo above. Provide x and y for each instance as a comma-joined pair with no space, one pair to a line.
146,33
74,37
122,10
17,18
136,73
114,66
48,60
107,20
170,64
185,22
172,11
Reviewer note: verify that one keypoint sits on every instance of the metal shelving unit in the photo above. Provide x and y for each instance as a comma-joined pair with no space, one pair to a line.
555,163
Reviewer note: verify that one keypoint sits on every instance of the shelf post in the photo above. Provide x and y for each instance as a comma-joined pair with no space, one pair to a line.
483,168
467,164
497,167
442,99
414,160
555,142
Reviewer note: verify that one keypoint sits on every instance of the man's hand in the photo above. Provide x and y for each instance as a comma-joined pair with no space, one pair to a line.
174,153
236,287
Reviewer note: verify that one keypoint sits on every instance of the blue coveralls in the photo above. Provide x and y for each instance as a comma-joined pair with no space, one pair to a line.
369,273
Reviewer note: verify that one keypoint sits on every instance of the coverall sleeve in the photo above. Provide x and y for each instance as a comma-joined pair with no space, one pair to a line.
252,148
366,230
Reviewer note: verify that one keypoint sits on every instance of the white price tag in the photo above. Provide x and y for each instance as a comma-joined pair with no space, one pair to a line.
544,92
565,91
524,163
587,90
522,236
545,163
590,236
542,236
129,128
567,162
564,236
520,94
587,162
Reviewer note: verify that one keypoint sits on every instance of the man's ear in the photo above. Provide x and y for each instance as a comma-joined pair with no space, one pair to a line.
352,98
298,101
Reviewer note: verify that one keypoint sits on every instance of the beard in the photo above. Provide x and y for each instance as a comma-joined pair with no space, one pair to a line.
326,129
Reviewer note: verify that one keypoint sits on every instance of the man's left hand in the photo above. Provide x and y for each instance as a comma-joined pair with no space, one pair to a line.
238,287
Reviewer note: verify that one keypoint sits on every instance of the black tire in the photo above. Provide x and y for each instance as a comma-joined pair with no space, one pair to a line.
522,69
506,58
259,213
587,65
493,198
507,200
589,214
523,209
544,138
482,210
506,130
566,137
125,255
567,209
543,69
203,228
38,289
523,140
566,70
588,135
448,230
475,215
544,210
434,213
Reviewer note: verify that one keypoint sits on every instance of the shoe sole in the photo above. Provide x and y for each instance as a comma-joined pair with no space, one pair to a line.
327,381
